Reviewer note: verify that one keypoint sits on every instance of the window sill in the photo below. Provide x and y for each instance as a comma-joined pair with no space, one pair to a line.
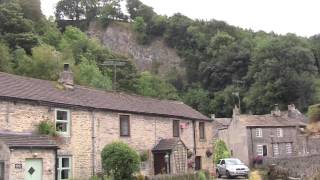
203,140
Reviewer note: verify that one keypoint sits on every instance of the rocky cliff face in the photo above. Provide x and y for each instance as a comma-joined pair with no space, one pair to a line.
121,39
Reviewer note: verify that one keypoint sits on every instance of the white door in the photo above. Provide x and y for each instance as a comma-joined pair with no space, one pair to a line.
33,170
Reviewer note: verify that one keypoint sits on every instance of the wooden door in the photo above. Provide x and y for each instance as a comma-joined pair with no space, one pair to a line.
33,169
198,163
160,163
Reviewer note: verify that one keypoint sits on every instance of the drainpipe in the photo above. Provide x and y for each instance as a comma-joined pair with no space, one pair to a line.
56,164
194,137
93,142
250,159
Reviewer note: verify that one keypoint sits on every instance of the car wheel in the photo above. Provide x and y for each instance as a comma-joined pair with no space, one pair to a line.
246,176
228,175
218,174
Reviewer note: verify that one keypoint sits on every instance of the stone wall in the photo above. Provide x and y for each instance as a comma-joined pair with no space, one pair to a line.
300,166
19,156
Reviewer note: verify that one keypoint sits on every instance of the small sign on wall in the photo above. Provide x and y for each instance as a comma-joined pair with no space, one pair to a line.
18,166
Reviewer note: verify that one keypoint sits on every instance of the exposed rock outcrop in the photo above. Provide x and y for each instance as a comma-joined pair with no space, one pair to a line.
120,38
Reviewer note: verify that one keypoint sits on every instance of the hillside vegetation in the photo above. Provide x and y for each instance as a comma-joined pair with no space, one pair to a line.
224,65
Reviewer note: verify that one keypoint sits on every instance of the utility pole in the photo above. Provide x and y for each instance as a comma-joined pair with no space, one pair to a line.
237,83
114,63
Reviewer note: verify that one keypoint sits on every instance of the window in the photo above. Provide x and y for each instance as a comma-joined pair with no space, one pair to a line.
258,132
262,150
276,149
289,148
124,125
176,128
64,167
279,132
62,121
202,130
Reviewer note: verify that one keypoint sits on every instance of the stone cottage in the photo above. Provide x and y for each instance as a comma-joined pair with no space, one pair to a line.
271,135
174,135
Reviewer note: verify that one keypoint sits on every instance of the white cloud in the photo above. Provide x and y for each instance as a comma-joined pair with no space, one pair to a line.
280,16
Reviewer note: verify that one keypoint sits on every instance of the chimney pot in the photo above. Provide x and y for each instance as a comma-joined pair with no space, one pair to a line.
213,116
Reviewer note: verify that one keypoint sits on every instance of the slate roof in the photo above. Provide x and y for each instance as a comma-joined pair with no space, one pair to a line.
269,120
223,121
27,140
23,88
167,144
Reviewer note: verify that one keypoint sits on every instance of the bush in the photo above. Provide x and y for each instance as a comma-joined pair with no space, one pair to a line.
47,128
221,151
120,161
144,156
202,176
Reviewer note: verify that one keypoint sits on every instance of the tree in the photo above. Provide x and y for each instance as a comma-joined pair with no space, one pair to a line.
120,161
44,64
314,113
71,9
4,58
31,9
88,74
149,85
198,99
220,151
110,11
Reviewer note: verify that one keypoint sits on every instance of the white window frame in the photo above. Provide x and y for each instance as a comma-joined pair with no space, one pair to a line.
289,148
279,132
258,132
276,149
260,150
63,121
60,168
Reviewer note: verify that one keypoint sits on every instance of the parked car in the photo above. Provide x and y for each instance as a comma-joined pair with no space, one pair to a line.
231,167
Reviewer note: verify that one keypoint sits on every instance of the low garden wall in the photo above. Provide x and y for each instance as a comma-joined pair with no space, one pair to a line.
302,167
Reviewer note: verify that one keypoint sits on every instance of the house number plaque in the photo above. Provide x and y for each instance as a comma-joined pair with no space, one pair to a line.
18,166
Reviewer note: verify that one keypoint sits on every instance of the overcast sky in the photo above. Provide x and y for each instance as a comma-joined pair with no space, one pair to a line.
281,16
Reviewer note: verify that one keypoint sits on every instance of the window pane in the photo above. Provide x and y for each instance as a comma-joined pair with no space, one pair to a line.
61,127
65,162
176,132
202,130
124,125
62,115
65,174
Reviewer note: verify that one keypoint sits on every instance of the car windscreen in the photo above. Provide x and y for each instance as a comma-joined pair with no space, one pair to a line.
233,162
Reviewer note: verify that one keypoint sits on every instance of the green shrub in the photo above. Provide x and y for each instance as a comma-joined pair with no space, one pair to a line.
120,161
144,156
221,151
47,128
314,113
202,176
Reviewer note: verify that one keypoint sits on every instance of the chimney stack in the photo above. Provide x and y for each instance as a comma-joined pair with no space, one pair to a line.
213,116
276,111
66,77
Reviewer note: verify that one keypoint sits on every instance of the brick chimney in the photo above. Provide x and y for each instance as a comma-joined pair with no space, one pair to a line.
276,111
66,77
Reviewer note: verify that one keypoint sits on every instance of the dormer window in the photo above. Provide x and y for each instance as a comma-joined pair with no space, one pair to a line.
62,120
279,132
258,132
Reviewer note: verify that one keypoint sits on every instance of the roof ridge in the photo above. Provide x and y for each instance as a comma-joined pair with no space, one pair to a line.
95,89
